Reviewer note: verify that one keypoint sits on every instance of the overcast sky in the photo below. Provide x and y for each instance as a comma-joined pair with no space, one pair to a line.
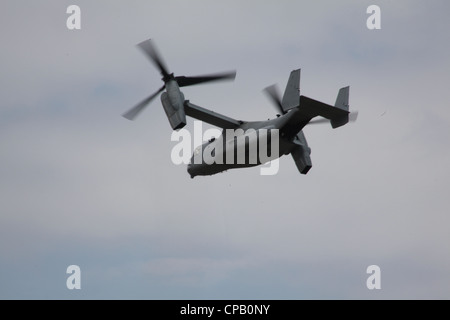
80,185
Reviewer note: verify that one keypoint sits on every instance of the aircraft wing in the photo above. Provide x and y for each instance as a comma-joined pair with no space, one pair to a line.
210,117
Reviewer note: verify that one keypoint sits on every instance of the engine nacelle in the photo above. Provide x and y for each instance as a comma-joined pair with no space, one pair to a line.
301,154
175,113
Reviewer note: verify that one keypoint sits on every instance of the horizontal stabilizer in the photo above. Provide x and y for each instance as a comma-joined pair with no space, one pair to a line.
338,114
313,108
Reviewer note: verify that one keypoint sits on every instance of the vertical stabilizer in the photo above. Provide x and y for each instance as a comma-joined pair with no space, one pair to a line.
341,103
291,97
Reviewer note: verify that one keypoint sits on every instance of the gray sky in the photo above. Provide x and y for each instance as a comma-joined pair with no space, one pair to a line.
81,185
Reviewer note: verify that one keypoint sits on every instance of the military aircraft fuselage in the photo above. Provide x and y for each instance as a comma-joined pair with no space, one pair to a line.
251,144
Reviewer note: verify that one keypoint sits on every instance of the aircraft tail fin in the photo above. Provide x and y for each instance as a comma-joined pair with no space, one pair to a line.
291,96
341,103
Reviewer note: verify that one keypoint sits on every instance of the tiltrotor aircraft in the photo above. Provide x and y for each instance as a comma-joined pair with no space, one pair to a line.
295,112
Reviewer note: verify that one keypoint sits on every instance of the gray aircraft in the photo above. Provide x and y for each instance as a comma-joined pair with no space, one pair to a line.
241,142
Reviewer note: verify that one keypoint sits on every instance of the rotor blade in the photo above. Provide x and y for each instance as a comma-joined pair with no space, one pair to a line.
150,49
189,81
133,112
272,93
